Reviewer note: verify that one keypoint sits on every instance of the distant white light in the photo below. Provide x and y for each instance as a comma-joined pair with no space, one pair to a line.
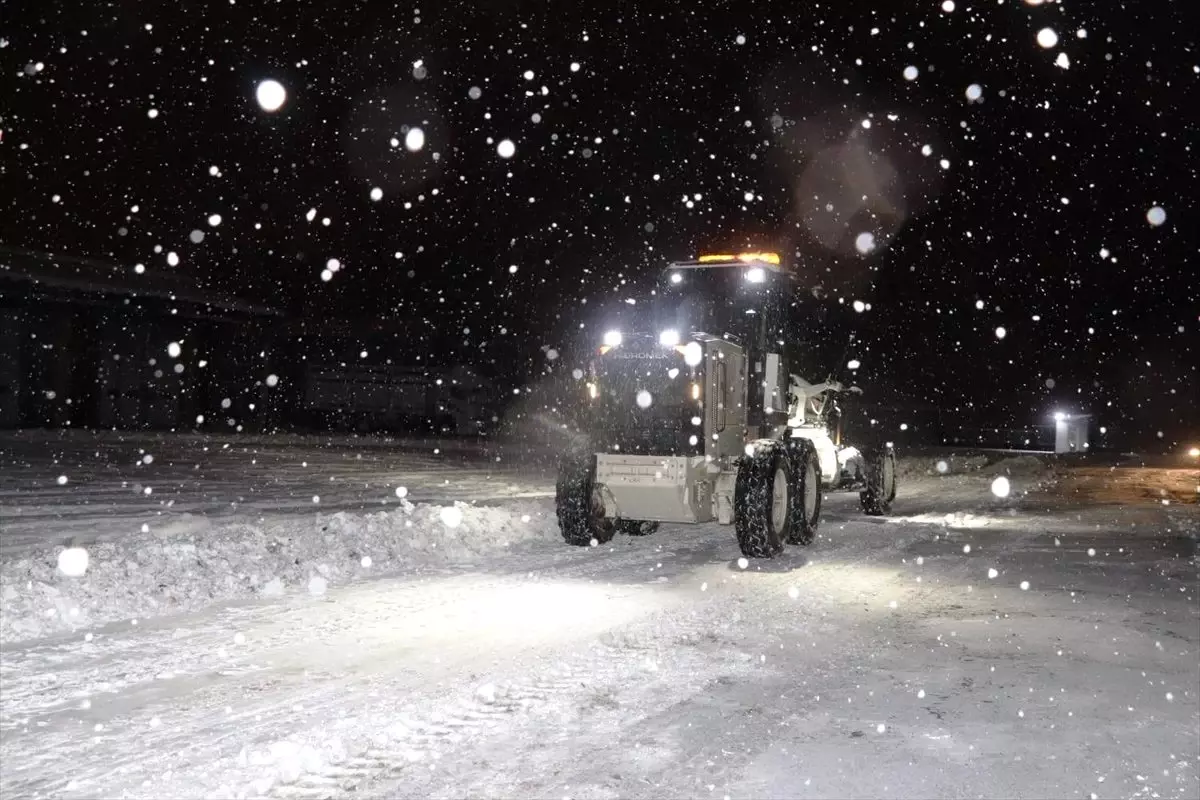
974,92
377,194
911,72
864,242
174,350
1156,216
214,220
644,399
1001,332
506,148
271,95
1000,487
669,337
859,306
414,140
853,363
1047,38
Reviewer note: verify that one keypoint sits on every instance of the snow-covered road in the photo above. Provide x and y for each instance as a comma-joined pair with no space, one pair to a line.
1041,645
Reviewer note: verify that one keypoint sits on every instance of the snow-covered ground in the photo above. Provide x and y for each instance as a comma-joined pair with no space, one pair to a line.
251,642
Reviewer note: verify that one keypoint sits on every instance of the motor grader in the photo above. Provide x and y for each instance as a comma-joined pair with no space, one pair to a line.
697,410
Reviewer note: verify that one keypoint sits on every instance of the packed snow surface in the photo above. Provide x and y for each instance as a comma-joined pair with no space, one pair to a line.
443,642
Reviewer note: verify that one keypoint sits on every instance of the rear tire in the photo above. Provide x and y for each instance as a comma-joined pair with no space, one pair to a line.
806,511
580,514
633,527
764,501
876,499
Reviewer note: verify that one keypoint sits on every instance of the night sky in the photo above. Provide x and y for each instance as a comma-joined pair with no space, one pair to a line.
992,180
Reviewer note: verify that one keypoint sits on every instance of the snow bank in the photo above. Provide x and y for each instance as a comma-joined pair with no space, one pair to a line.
1025,465
186,567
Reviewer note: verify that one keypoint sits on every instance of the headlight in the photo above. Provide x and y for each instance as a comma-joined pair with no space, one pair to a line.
693,354
669,337
756,275
612,339
676,277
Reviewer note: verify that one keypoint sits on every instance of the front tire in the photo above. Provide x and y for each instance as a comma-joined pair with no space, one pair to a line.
578,504
876,499
764,502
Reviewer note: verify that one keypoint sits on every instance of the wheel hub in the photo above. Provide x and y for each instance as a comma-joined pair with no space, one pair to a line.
779,498
810,493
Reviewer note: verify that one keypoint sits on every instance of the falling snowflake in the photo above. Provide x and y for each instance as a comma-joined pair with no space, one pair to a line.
1156,216
414,140
73,562
506,148
1047,38
452,516
271,95
910,73
1000,487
